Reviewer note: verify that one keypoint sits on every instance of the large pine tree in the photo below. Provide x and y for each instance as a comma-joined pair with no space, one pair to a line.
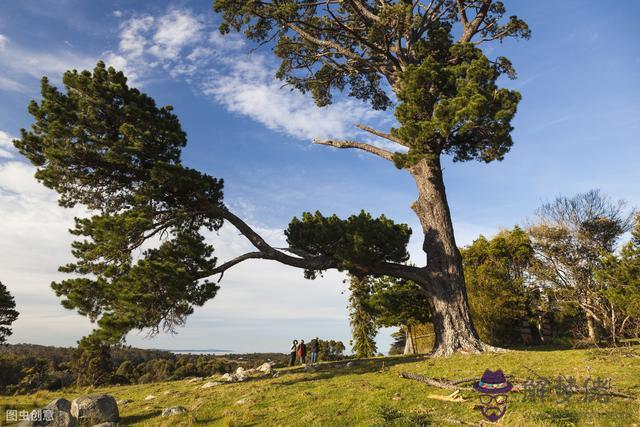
427,55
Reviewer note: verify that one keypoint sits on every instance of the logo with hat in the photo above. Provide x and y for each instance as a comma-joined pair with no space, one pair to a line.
493,388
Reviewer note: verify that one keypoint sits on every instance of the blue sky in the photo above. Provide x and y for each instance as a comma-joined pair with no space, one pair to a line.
576,129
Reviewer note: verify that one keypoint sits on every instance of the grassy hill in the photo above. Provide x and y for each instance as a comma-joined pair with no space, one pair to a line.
371,392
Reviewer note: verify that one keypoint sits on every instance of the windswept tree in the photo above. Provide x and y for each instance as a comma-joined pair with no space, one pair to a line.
428,57
8,313
109,147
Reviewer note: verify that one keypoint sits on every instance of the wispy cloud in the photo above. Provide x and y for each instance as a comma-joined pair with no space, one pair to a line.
188,47
24,65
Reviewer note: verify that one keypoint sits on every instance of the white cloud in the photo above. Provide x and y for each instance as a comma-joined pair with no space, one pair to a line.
248,87
132,36
218,66
6,146
23,65
176,30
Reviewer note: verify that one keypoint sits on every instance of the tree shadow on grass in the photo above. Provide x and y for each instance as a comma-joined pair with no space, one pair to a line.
328,370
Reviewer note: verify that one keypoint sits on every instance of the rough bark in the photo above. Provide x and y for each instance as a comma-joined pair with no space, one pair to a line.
444,281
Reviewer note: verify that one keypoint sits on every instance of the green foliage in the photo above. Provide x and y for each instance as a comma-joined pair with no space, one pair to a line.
329,350
572,239
398,302
353,243
110,148
620,274
450,104
363,325
26,368
93,365
495,272
8,314
353,47
449,99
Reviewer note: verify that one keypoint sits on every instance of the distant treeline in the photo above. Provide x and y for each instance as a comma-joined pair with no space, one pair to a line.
26,368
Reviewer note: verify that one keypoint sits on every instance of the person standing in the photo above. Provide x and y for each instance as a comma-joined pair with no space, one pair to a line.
302,351
294,349
314,350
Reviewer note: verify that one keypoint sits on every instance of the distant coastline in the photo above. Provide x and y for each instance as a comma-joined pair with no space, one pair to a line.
205,351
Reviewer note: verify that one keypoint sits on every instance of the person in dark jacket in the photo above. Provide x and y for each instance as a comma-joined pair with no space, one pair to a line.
314,344
294,349
302,351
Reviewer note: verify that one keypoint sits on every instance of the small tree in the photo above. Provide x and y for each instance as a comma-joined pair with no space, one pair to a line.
620,275
8,314
402,303
570,238
92,363
363,325
496,274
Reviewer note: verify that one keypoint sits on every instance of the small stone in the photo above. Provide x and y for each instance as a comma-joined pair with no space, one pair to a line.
150,397
195,379
396,397
124,402
174,410
227,377
243,401
210,384
167,392
349,364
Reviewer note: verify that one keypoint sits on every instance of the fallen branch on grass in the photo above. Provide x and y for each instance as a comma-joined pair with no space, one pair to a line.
456,385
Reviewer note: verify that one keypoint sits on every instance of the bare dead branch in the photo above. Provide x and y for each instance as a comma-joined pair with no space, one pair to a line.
384,135
387,155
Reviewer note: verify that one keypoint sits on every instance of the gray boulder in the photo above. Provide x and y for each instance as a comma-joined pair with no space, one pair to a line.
99,408
55,414
174,410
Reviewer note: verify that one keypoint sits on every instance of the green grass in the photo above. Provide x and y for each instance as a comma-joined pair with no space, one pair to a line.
366,395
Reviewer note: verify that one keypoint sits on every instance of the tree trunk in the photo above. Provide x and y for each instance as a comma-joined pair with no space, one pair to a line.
591,329
409,344
444,283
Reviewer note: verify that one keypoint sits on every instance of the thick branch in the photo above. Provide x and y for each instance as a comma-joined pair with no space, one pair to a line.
388,155
304,260
471,28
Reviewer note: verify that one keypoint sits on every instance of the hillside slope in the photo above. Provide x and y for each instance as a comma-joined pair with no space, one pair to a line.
371,392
